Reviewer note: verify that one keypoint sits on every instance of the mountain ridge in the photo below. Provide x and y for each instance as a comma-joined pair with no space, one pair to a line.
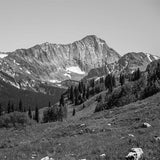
50,64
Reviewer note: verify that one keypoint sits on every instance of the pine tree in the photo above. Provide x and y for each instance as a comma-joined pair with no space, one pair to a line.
138,74
84,92
74,112
9,107
121,79
92,84
65,111
87,93
113,80
76,95
80,87
29,113
72,94
49,104
108,82
20,106
61,102
60,113
101,80
12,107
37,114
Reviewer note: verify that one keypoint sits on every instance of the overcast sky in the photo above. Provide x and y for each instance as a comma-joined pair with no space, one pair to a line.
125,25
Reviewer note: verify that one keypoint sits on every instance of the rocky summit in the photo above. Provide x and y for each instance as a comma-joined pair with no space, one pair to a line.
54,63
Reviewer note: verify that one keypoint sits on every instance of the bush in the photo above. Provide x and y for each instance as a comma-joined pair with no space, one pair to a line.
14,119
50,114
54,113
121,96
100,107
149,91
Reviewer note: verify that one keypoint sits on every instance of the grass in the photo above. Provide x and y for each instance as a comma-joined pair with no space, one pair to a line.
69,140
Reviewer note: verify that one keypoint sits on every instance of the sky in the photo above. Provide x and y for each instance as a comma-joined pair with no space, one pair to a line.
125,25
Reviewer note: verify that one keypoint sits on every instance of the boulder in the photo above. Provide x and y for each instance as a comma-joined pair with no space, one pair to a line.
157,138
47,158
135,154
146,125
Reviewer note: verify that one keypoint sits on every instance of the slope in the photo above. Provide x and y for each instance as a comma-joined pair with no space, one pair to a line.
111,132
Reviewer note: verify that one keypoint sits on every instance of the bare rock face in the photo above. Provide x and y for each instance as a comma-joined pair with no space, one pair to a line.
53,63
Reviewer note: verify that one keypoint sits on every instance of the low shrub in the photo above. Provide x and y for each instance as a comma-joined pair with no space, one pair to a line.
14,119
149,91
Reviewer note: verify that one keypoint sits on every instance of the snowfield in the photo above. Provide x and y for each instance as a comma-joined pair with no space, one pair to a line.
67,75
75,69
3,55
156,57
148,56
54,81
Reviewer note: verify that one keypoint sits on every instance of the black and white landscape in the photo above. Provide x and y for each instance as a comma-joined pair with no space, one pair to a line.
84,99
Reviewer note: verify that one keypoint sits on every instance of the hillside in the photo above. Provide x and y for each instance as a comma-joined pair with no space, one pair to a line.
112,132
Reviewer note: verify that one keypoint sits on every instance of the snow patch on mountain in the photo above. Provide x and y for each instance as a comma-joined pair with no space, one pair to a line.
156,57
67,75
148,56
2,55
75,69
54,81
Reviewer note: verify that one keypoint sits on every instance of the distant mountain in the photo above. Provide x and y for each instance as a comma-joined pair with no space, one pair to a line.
126,64
131,61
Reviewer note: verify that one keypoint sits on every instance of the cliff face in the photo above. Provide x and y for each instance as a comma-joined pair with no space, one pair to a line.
55,62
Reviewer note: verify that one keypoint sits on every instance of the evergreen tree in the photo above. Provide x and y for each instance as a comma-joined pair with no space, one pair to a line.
49,104
72,94
60,113
84,92
136,75
92,84
80,87
76,95
109,82
87,93
20,106
61,100
121,79
36,114
9,107
74,112
29,113
101,80
12,107
113,80
65,111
